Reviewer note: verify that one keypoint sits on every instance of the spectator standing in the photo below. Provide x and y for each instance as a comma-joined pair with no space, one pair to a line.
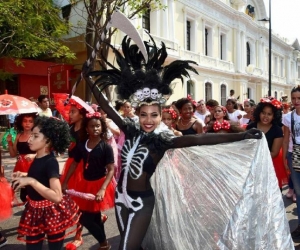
44,104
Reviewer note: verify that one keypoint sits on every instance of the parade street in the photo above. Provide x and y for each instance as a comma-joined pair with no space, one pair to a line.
10,226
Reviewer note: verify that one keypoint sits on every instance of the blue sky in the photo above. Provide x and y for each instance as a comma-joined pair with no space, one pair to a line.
285,17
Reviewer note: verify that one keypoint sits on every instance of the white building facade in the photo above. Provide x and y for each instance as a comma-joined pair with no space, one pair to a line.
229,44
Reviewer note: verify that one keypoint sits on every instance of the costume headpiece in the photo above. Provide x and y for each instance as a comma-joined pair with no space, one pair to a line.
272,101
172,112
138,79
93,115
192,100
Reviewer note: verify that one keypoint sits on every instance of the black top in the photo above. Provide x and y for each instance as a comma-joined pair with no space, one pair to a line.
274,132
23,148
74,141
189,131
95,161
42,169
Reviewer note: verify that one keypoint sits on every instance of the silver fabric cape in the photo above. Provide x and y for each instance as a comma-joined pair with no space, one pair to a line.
223,196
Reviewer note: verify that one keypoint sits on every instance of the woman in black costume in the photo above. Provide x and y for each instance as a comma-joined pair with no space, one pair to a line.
146,84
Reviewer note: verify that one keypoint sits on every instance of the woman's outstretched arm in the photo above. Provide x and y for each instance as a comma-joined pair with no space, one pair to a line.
214,138
105,104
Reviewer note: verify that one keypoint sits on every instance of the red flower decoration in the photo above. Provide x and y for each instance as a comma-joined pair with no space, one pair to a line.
93,115
277,104
172,112
223,125
74,103
191,99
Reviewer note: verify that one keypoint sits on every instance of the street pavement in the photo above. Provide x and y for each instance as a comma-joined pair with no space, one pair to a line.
9,227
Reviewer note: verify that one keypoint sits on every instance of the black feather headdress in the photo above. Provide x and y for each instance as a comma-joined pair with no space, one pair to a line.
140,81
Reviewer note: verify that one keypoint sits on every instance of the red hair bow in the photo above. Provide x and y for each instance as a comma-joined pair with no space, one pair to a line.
93,115
223,125
172,112
192,100
277,104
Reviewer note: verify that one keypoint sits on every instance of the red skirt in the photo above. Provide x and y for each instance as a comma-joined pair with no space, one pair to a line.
93,187
77,176
280,171
46,217
22,164
6,198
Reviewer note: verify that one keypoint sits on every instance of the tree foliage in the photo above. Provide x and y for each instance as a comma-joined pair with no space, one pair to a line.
32,29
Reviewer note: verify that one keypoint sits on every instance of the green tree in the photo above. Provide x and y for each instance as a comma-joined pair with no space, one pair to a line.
32,29
98,15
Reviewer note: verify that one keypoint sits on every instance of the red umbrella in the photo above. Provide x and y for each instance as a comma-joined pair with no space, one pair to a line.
12,104
63,105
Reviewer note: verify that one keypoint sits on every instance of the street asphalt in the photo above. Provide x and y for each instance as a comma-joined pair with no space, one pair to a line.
9,226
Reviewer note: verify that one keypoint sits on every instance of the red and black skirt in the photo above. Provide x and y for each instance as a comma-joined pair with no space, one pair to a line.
46,217
77,176
93,187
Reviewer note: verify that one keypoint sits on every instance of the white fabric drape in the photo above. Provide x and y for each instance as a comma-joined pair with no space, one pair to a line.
223,196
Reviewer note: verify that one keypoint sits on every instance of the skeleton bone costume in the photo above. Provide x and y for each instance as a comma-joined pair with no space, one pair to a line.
142,151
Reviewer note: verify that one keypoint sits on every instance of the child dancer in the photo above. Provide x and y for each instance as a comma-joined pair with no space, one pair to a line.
98,171
47,211
20,148
221,123
170,118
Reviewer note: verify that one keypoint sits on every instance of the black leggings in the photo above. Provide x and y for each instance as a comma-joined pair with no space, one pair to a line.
94,224
132,233
57,245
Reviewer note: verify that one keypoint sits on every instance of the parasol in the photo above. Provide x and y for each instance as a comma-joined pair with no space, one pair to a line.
63,106
12,104
85,196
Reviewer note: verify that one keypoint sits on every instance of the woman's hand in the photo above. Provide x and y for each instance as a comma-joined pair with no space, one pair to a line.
100,195
253,134
18,174
64,187
9,138
20,182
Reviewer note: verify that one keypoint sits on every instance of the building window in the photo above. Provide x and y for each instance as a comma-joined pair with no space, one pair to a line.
146,20
208,91
208,41
188,35
190,88
276,95
276,66
223,47
249,93
248,54
281,67
223,94
66,11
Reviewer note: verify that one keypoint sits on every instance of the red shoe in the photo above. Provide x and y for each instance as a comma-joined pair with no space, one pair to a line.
75,244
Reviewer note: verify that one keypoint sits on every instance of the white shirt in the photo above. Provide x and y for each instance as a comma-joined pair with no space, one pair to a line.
46,112
287,122
234,116
200,116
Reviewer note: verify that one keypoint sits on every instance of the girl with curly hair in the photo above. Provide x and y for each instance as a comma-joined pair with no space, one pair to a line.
98,172
169,116
249,106
267,118
48,211
20,148
221,123
188,124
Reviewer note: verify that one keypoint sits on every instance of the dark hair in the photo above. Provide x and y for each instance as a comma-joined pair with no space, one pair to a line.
57,131
179,103
175,110
296,89
19,120
251,102
259,108
212,103
103,135
42,97
234,102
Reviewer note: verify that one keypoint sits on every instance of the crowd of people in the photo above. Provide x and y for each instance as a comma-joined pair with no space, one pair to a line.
114,151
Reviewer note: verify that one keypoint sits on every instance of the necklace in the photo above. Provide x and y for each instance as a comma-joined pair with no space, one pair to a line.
185,124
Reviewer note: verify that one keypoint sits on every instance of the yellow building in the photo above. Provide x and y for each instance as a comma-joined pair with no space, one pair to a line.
225,38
